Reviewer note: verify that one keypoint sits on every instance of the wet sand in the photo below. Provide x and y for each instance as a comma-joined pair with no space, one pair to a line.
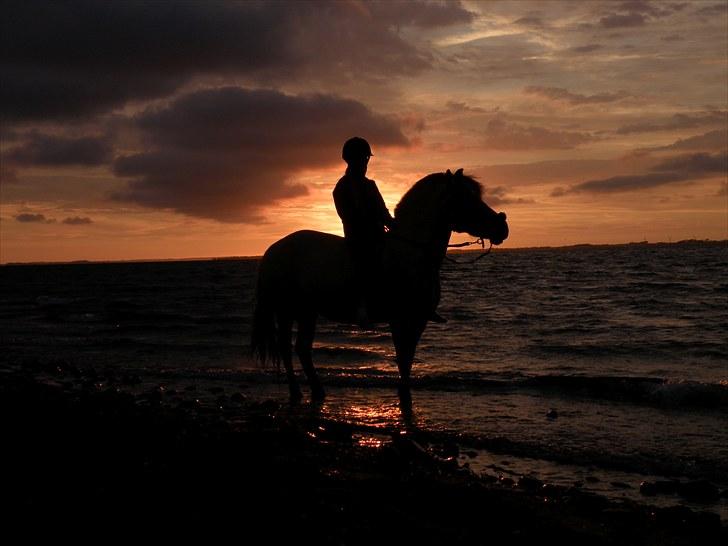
99,457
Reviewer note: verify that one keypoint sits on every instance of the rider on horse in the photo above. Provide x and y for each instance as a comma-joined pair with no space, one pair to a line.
366,219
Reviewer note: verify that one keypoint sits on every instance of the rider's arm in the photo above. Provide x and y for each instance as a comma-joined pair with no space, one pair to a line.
383,210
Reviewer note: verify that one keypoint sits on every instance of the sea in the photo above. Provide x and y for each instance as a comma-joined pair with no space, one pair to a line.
598,367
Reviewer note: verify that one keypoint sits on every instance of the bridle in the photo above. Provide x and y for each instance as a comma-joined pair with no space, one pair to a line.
421,244
479,241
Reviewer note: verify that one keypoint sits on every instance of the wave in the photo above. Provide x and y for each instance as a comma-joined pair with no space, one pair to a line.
652,391
648,349
648,390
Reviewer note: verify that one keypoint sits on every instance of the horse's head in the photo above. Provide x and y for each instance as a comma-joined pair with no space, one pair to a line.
468,213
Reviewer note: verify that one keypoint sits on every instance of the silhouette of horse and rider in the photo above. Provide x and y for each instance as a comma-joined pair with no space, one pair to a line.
384,270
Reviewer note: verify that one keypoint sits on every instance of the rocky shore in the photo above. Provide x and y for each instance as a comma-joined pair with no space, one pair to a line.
91,457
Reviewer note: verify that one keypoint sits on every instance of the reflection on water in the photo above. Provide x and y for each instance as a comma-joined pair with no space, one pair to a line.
371,441
370,412
381,410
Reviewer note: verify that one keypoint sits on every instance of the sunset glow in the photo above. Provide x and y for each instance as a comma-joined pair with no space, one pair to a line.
587,122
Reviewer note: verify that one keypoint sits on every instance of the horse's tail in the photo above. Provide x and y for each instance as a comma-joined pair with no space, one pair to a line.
264,335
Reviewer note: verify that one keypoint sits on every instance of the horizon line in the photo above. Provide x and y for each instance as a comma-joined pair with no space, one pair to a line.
258,256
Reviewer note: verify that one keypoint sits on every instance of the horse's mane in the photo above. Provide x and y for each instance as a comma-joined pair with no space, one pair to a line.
420,195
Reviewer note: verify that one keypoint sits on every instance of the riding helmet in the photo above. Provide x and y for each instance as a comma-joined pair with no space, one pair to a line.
355,147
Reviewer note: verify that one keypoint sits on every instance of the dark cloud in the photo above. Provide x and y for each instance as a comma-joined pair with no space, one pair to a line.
419,14
28,218
501,134
681,168
499,195
225,153
530,21
700,163
67,60
636,13
585,48
558,93
713,9
616,20
47,150
622,183
64,60
651,9
677,121
711,140
77,220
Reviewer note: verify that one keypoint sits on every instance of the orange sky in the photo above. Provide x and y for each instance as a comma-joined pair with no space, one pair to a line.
167,130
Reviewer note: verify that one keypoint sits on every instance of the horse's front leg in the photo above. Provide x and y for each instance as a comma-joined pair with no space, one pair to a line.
406,334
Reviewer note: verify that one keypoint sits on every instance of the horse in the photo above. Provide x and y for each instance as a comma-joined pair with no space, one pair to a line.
308,274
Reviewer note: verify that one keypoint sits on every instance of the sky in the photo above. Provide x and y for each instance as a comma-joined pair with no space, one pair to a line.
144,130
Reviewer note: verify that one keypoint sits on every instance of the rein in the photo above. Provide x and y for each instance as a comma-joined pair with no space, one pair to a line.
478,241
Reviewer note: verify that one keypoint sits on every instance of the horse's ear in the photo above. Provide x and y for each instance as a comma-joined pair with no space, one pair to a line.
448,173
459,172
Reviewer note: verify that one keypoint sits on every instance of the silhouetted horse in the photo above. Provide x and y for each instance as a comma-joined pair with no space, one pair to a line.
308,273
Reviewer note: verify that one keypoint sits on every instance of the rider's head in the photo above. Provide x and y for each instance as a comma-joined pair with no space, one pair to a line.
356,153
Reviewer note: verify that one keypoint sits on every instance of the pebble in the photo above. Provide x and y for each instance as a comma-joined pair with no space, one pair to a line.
552,414
648,489
506,481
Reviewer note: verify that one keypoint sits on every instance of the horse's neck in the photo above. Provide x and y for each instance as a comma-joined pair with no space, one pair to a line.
423,223
429,235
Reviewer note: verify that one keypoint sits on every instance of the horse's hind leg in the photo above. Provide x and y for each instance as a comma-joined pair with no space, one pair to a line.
304,346
284,347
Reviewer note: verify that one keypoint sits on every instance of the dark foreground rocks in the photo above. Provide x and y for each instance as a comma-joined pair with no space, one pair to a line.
101,464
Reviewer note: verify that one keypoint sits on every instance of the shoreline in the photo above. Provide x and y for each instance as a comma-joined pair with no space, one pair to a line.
158,459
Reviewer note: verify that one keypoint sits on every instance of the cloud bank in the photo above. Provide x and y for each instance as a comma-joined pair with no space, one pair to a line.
680,168
226,153
73,60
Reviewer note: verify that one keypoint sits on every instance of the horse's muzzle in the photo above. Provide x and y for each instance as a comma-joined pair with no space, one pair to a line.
501,232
